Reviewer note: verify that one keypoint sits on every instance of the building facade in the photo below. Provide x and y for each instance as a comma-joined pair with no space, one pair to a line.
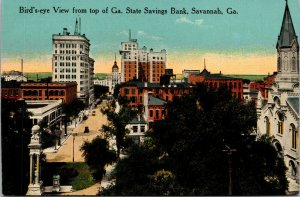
215,81
111,80
14,76
141,64
48,111
135,91
66,92
11,90
278,117
71,62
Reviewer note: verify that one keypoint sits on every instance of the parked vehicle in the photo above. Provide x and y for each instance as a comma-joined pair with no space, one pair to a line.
86,130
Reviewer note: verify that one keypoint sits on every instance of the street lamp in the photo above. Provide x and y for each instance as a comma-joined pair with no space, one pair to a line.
58,134
74,134
65,123
229,153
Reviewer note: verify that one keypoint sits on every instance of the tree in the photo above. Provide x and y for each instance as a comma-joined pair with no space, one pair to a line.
15,135
97,155
117,123
100,90
189,157
72,109
196,131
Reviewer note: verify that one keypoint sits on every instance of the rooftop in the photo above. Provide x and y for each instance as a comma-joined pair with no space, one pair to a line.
294,103
156,101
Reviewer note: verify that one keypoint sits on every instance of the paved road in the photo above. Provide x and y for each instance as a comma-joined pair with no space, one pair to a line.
65,152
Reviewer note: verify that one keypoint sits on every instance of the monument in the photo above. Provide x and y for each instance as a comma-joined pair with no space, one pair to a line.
35,186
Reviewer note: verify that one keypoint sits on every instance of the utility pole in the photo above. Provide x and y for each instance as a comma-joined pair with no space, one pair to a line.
229,153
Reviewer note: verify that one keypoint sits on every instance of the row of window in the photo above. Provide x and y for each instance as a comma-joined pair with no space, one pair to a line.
230,84
68,45
40,92
68,58
135,129
67,52
285,64
280,129
67,70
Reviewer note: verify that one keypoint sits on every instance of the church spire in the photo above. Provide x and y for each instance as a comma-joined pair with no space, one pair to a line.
287,32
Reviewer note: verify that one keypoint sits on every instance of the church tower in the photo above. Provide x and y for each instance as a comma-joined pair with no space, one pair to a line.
287,55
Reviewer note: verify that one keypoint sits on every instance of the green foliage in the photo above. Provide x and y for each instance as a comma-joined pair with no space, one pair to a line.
72,109
117,90
97,155
76,174
15,135
117,123
184,153
100,90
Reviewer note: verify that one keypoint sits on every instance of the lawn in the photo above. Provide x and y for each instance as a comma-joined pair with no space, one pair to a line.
42,75
249,77
76,174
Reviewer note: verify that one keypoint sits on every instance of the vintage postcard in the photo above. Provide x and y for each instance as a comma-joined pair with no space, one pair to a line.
137,97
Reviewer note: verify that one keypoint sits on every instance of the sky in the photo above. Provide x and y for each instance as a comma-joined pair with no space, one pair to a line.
242,43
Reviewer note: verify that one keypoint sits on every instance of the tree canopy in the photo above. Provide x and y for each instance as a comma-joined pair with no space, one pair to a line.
97,155
15,135
187,157
117,123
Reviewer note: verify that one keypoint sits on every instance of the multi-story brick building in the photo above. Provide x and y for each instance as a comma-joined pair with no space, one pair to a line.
11,90
215,81
49,91
71,62
135,91
141,64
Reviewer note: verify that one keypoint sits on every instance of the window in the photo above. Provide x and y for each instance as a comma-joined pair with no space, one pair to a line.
135,129
157,113
279,64
132,91
151,113
268,128
294,136
293,64
126,91
142,128
280,116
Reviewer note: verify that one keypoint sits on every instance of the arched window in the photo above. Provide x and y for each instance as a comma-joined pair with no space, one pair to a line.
268,128
294,133
280,122
293,169
62,93
285,63
293,64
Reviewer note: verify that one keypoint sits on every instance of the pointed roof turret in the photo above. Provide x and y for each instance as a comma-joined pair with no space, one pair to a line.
287,32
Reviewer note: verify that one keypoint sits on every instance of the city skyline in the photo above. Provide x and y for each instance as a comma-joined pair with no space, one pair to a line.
188,39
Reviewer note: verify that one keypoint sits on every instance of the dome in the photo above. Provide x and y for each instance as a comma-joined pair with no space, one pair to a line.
115,67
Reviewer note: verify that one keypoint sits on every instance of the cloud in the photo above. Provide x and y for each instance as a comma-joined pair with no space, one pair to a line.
185,20
124,33
151,37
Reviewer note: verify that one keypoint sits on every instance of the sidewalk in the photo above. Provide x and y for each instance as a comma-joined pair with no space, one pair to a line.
54,149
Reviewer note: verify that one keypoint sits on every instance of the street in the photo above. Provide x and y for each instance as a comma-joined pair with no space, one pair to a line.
65,152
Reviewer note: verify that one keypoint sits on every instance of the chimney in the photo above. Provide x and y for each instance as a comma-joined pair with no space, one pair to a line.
65,31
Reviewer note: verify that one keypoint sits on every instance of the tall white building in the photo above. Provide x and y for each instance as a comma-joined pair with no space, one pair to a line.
71,62
278,118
